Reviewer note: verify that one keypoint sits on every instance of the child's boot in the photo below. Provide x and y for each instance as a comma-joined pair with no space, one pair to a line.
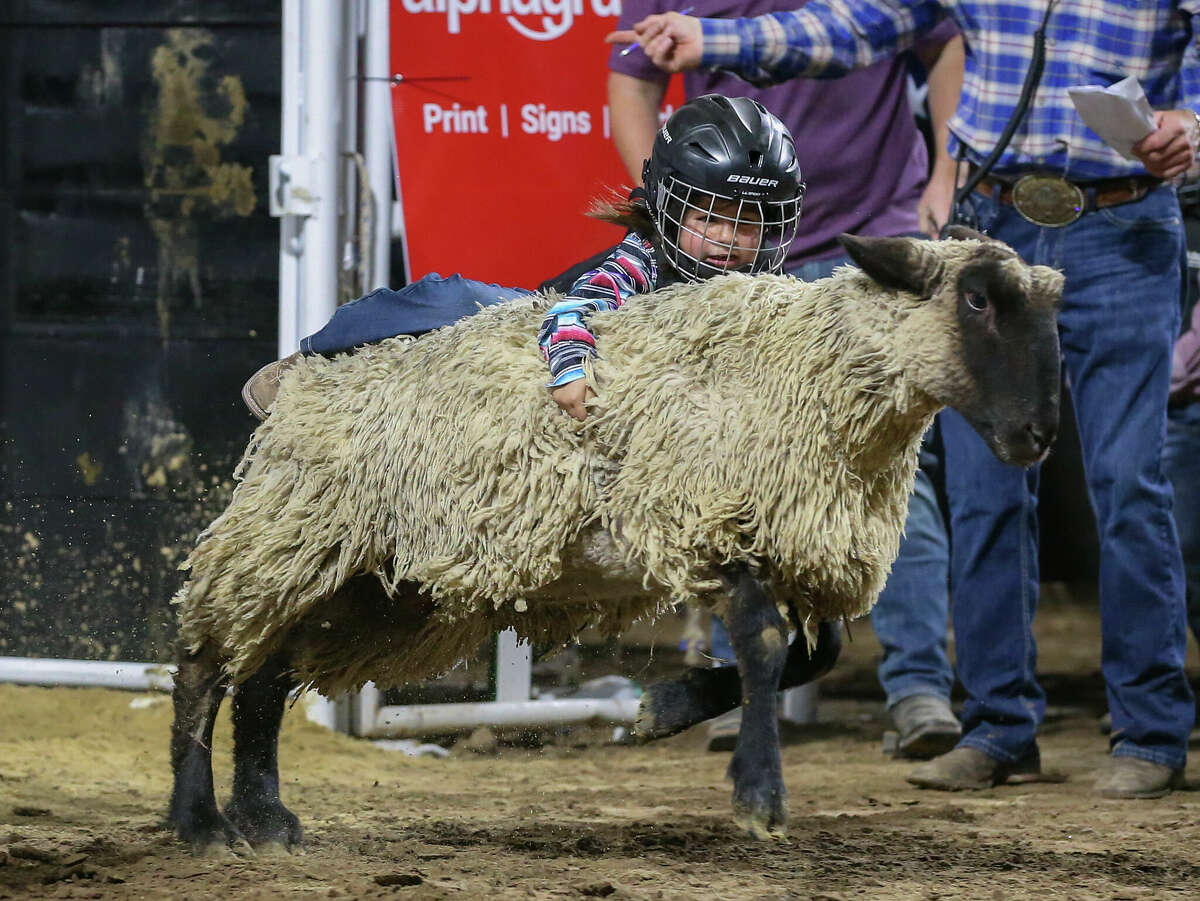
260,390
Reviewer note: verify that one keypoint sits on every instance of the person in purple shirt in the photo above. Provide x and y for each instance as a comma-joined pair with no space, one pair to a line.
865,158
866,164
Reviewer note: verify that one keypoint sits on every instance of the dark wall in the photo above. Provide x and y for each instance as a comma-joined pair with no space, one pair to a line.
138,290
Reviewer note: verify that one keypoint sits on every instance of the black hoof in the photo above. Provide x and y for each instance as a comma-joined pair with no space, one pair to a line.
266,823
208,832
760,805
668,708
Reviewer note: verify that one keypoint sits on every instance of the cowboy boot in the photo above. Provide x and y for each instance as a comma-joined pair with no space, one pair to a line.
260,389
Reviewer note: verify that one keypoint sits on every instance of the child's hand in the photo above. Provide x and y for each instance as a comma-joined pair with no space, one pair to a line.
572,396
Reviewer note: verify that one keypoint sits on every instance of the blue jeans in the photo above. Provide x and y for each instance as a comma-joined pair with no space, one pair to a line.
815,269
426,304
1181,461
1119,318
910,616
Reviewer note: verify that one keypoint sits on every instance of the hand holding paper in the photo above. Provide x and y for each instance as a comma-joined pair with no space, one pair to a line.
1120,113
1171,149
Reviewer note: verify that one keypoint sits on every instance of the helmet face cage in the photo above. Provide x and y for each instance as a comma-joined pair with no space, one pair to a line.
765,226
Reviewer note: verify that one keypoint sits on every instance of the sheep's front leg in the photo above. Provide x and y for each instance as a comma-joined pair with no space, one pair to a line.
759,637
255,808
673,705
199,689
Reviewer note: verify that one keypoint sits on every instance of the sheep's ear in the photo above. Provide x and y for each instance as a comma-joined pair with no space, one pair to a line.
901,263
963,233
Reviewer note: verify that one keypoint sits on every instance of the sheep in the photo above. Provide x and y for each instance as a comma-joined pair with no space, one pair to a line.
751,449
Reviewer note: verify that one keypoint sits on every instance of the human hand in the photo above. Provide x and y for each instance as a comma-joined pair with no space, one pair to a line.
573,396
1171,148
933,209
670,41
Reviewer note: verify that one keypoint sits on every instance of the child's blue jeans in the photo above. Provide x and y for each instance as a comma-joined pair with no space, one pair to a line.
427,304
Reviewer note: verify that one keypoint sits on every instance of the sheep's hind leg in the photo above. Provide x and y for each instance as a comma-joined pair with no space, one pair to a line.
759,637
255,808
803,667
199,688
673,705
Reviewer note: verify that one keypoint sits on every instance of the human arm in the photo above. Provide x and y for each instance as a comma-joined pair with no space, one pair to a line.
1171,148
825,39
672,41
944,66
573,398
634,103
566,339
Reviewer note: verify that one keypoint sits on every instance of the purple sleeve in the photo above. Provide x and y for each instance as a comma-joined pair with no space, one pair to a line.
636,63
938,35
1185,363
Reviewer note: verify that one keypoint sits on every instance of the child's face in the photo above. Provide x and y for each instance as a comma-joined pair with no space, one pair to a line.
711,237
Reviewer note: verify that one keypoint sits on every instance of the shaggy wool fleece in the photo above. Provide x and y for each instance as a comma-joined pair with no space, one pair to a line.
759,419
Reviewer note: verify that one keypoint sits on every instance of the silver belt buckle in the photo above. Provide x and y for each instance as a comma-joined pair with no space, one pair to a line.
1047,200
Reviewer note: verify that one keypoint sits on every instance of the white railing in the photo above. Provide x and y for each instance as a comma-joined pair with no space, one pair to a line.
512,706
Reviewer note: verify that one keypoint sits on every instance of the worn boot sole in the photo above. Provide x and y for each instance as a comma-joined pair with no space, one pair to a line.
929,740
956,785
260,389
1114,795
951,784
968,769
1174,781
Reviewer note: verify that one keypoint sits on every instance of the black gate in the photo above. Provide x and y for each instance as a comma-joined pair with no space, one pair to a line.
138,289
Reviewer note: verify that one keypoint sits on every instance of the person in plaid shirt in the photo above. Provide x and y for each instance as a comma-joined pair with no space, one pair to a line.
1061,197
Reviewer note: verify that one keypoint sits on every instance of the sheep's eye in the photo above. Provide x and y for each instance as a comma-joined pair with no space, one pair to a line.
976,300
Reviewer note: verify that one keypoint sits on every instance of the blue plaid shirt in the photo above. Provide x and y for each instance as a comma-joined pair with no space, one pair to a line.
1087,42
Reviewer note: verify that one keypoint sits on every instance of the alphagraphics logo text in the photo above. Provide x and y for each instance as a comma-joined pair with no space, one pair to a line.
557,16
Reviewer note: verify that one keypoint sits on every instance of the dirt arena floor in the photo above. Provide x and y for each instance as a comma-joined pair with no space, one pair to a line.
84,781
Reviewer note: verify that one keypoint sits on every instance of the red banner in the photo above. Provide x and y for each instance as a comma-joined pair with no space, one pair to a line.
502,134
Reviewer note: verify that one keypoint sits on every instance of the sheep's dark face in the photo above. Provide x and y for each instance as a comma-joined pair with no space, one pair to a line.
1007,319
982,335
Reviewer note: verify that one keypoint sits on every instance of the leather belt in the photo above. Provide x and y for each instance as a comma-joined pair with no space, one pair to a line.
1046,199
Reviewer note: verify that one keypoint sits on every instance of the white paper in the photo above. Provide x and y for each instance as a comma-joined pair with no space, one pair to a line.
1120,113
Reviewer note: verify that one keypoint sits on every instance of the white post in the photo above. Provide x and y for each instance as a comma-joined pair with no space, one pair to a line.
378,138
514,667
322,711
304,176
365,710
353,19
323,29
799,705
291,226
304,192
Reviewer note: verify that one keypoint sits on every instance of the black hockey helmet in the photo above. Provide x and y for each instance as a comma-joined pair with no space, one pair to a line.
716,148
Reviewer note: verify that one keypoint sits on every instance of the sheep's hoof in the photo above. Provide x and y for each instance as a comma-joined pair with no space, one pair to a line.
667,708
761,811
758,826
212,834
266,823
759,799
